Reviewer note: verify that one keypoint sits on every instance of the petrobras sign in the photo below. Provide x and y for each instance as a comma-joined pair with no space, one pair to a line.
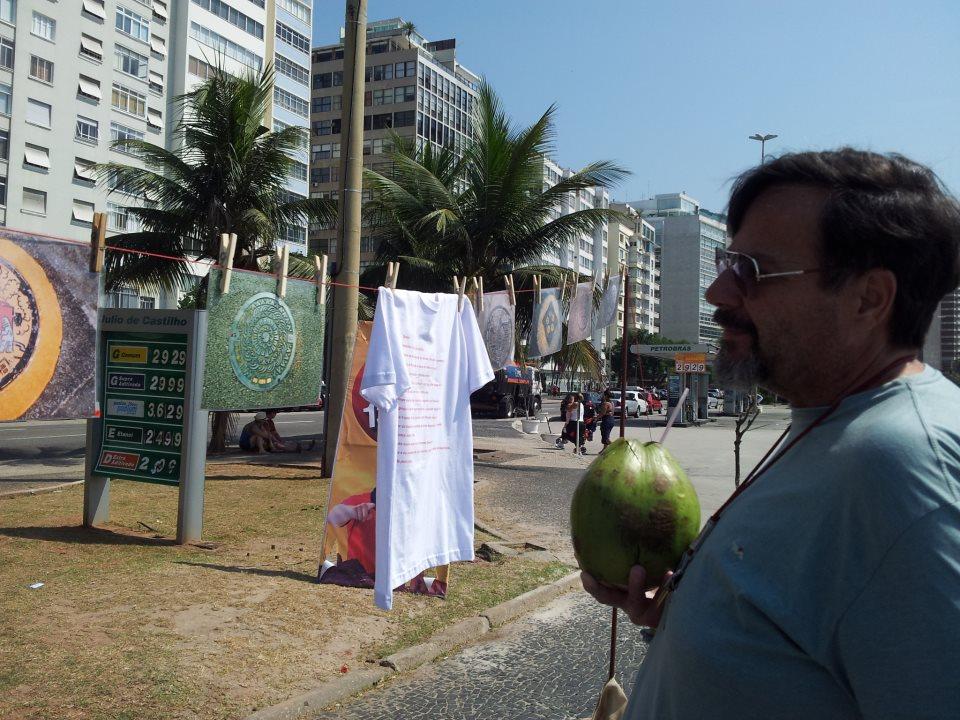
669,352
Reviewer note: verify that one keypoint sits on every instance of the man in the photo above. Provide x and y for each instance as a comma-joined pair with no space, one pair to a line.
255,436
830,586
361,511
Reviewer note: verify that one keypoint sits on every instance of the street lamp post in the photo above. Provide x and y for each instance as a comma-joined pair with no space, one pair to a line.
763,141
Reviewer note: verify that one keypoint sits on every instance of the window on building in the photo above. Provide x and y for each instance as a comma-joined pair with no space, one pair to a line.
120,219
41,69
121,133
8,11
158,46
156,81
91,48
298,9
88,130
83,170
44,26
324,175
38,113
322,80
132,24
34,201
291,102
128,100
160,11
326,151
225,46
199,68
405,69
294,71
298,170
123,297
382,121
82,212
232,16
6,99
293,38
89,88
405,118
3,191
95,8
407,93
4,144
6,54
129,62
36,157
326,127
381,146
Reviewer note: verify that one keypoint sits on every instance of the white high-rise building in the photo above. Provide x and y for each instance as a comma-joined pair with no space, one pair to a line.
77,74
73,77
244,36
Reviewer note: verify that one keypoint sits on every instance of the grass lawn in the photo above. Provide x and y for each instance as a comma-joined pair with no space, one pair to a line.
129,625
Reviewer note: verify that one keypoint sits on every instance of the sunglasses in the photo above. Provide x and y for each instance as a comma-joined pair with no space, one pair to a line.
746,270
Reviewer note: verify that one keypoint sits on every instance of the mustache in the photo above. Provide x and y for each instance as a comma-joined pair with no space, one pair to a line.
729,319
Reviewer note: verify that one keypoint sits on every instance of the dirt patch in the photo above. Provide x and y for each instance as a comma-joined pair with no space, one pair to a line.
130,625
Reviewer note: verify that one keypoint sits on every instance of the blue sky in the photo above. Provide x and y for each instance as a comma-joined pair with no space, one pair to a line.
671,90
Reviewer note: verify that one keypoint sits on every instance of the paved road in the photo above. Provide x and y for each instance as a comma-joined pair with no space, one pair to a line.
550,664
36,454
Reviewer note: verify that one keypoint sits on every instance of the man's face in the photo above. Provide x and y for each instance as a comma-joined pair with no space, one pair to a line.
779,332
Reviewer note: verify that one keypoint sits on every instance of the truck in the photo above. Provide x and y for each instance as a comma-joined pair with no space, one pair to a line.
513,391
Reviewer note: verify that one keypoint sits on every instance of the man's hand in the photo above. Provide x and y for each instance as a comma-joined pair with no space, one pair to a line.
642,607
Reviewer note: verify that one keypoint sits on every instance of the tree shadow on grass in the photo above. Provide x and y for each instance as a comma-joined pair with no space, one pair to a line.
84,536
264,572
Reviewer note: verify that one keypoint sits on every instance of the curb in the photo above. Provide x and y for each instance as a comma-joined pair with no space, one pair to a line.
311,704
39,490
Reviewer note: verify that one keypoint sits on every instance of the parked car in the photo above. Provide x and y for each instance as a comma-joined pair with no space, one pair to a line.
636,405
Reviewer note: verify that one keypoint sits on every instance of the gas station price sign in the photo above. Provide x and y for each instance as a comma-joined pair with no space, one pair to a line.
144,390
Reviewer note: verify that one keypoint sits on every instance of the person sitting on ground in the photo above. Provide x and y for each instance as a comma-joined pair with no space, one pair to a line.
255,437
279,443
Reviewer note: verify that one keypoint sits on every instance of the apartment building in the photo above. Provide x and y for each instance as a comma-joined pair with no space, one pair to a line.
73,77
637,248
414,88
244,36
687,236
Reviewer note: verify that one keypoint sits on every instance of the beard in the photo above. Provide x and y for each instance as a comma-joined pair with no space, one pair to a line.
739,373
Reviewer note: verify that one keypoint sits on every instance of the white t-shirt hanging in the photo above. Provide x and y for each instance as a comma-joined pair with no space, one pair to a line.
425,359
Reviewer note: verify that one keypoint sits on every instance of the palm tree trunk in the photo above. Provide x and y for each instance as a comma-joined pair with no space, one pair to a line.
218,435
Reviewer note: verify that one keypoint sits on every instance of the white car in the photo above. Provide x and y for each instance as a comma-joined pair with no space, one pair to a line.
636,406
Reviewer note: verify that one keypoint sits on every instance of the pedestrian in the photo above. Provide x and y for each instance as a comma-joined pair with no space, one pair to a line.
255,436
829,585
606,419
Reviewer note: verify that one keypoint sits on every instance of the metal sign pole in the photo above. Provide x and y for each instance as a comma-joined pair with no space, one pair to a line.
190,506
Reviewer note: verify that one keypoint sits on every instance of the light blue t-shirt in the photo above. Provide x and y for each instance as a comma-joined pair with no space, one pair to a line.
831,587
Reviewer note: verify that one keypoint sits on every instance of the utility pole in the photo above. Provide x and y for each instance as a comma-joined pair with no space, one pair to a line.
346,294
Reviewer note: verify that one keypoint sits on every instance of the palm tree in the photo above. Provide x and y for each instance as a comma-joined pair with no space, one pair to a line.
484,213
225,174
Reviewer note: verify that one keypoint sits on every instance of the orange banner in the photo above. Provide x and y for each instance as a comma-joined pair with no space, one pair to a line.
349,538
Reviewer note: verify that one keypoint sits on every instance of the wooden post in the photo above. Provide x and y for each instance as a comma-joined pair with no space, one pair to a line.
320,272
283,260
98,242
228,246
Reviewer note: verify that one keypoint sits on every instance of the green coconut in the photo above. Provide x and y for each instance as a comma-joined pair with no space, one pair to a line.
633,506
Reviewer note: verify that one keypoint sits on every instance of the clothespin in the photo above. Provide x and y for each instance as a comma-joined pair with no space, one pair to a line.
393,270
282,260
320,270
460,290
537,288
228,245
478,290
508,281
98,241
